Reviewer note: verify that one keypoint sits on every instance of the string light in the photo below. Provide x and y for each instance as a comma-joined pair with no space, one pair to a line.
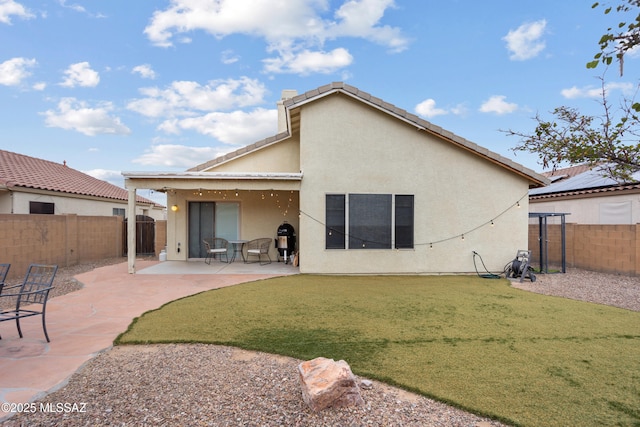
461,236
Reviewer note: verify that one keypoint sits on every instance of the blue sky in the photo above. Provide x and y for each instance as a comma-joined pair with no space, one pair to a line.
114,85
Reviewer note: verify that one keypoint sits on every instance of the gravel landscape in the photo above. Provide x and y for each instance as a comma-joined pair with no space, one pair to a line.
207,385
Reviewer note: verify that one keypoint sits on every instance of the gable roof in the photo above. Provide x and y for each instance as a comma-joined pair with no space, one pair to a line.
20,171
292,106
581,180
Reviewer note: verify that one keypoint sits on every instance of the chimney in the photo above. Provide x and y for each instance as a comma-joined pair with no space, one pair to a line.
282,117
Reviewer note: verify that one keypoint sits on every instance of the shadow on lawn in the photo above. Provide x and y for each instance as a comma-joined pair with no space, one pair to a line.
307,344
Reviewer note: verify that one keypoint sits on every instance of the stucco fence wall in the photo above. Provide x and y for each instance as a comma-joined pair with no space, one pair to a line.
603,248
65,240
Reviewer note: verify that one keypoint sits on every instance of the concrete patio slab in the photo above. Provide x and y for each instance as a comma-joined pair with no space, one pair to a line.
217,267
84,323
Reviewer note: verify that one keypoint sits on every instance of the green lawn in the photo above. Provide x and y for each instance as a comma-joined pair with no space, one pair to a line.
519,357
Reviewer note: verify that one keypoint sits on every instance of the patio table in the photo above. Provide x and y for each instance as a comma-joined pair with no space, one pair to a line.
238,246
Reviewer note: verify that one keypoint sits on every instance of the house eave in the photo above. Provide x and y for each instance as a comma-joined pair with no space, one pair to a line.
167,181
588,192
278,176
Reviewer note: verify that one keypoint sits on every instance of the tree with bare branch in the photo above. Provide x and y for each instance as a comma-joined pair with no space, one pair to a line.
611,140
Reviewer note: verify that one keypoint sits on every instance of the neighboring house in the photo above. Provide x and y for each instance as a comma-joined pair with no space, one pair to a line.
34,186
588,197
368,187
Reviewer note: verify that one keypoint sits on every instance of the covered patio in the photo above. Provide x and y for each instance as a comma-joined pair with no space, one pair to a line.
238,207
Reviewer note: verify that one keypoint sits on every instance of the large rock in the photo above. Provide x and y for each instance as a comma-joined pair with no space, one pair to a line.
326,383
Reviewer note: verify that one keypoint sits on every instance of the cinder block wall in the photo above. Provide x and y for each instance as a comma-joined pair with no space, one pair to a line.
98,237
28,239
604,248
65,240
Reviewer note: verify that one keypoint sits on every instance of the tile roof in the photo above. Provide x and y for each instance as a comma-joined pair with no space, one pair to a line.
580,180
299,100
20,171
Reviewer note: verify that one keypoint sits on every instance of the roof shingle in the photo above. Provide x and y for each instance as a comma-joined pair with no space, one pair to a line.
18,170
579,180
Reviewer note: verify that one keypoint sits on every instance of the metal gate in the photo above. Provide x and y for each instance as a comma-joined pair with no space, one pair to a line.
145,236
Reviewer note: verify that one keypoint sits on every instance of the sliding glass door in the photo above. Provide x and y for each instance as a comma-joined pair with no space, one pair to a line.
209,219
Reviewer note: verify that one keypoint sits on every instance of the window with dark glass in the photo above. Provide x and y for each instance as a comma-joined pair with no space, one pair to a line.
373,221
404,221
118,212
335,221
41,208
369,221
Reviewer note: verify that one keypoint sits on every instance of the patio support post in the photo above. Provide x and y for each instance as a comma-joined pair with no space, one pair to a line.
564,244
131,231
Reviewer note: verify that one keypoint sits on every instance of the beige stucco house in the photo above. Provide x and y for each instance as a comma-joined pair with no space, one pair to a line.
29,185
368,187
589,197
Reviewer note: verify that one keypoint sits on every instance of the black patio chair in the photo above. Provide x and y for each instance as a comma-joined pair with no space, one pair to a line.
4,270
33,291
259,247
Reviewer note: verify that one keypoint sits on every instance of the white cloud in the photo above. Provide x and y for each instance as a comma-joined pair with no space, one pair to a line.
293,28
80,9
360,18
14,71
9,8
77,115
76,7
80,74
172,155
187,98
225,17
307,62
229,57
497,104
39,86
526,42
235,128
634,52
145,71
427,108
111,176
596,92
460,110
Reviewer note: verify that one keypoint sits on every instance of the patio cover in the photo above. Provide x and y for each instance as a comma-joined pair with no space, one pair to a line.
167,181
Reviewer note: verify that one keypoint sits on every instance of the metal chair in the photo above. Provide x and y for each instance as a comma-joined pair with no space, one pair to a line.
216,246
33,291
259,247
4,270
